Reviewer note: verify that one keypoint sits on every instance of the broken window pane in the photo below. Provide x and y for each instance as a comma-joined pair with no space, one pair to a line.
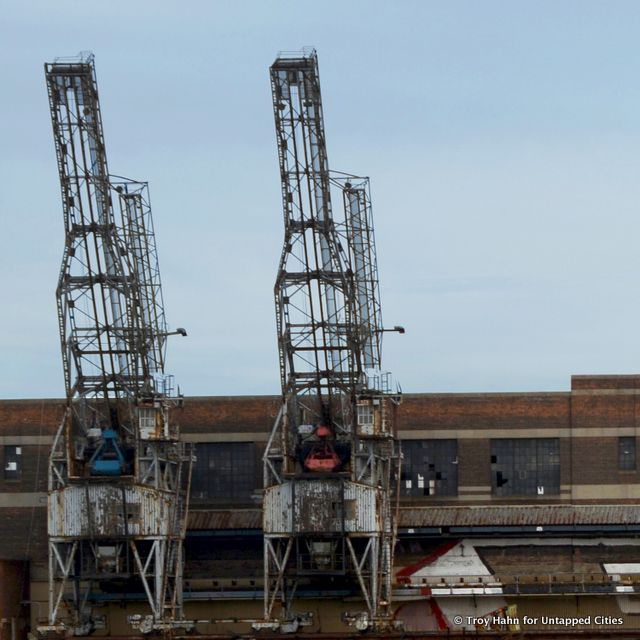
430,468
526,467
12,462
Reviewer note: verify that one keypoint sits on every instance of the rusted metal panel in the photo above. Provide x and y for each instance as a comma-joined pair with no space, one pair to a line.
320,506
278,511
361,507
108,510
301,506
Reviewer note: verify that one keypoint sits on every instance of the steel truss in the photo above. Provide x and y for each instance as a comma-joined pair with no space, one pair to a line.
331,462
118,474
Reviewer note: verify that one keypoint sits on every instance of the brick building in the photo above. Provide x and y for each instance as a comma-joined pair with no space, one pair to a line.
525,481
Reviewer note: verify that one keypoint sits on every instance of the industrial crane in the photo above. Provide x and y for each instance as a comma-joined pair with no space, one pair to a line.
118,474
331,466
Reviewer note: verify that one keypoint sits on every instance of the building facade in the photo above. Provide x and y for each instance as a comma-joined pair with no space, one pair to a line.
523,481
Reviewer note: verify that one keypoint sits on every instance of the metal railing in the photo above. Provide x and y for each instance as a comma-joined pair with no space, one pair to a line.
554,583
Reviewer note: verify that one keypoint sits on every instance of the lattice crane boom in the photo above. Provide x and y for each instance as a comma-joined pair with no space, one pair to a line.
362,255
93,285
313,286
139,236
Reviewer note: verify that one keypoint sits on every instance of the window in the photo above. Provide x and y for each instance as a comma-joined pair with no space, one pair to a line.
627,453
147,419
429,468
12,462
365,415
525,466
225,472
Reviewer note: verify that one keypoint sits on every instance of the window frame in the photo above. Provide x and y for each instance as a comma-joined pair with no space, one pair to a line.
12,475
627,460
522,466
225,472
431,465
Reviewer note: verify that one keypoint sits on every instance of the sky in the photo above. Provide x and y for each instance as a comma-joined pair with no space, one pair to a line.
502,140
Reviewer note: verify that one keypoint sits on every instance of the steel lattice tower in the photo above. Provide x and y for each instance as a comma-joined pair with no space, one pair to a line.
331,463
118,474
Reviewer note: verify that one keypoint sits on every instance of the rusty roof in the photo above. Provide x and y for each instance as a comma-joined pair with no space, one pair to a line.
208,519
516,515
466,516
